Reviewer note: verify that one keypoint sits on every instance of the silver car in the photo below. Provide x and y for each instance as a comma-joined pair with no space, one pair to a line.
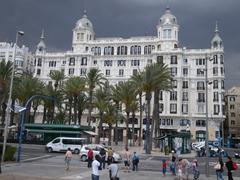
96,150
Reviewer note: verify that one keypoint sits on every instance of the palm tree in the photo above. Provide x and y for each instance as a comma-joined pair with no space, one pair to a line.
82,105
100,101
127,95
58,77
5,73
134,108
94,78
154,77
74,86
137,82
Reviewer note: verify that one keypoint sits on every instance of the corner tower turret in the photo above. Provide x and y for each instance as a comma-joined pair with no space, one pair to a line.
82,34
216,42
167,30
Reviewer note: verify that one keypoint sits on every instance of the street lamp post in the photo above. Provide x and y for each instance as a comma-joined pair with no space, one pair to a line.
207,133
10,96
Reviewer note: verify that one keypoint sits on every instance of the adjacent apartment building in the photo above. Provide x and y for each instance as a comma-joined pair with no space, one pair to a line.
184,108
232,122
23,59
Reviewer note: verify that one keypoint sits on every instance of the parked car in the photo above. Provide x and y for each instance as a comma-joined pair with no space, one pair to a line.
61,144
96,150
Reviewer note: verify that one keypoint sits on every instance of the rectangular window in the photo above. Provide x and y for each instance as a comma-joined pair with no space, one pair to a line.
135,62
173,108
160,59
216,109
173,95
107,72
134,72
185,108
185,61
232,107
201,97
71,71
233,114
160,95
174,83
173,59
215,96
84,61
215,71
83,71
72,61
121,62
121,72
173,71
200,72
215,84
215,59
161,106
185,96
200,85
185,85
108,63
38,71
185,71
201,108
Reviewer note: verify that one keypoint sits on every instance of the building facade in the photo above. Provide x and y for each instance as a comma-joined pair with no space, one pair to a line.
232,122
184,108
23,60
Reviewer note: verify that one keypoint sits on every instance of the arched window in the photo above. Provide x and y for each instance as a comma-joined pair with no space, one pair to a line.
122,50
175,46
159,47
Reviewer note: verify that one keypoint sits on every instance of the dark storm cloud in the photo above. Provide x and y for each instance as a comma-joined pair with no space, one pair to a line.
125,18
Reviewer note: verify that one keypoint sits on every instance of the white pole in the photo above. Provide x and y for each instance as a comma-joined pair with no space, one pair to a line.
7,120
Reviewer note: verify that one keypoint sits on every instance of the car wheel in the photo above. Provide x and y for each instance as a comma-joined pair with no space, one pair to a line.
49,149
84,158
76,151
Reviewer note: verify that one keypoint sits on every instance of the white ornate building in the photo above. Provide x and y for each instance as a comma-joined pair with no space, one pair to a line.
23,59
119,58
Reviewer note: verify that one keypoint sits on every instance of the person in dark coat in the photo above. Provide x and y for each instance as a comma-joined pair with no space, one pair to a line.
229,166
103,157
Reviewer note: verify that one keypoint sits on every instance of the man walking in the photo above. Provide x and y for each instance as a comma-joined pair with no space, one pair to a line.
95,167
135,161
90,157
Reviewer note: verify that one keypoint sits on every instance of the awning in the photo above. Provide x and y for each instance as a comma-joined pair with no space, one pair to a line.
91,133
51,131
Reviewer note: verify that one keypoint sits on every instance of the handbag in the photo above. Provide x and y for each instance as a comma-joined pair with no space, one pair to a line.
217,166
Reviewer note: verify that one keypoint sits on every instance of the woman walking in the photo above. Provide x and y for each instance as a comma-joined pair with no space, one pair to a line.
219,169
229,165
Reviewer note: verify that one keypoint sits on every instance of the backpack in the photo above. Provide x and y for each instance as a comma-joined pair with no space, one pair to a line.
235,166
136,159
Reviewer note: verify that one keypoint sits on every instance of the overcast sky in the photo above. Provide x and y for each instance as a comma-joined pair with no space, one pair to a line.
125,18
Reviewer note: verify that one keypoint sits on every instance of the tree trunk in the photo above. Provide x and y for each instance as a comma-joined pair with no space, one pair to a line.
116,131
110,135
44,114
12,112
100,127
133,120
127,129
155,115
75,110
141,119
70,111
148,98
90,108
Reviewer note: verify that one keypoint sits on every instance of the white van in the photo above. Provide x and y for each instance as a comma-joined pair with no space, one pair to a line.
61,144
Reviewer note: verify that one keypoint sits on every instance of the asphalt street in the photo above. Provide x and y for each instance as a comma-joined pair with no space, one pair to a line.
35,160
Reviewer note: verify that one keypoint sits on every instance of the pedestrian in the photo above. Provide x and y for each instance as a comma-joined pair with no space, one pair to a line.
185,167
90,157
195,170
219,169
229,166
113,171
103,157
127,157
68,157
95,167
173,164
164,167
109,156
135,161
180,169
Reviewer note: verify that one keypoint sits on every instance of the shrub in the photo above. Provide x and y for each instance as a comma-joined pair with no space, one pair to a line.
9,153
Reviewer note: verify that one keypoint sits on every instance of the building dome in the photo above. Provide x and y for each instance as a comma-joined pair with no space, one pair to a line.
84,22
168,18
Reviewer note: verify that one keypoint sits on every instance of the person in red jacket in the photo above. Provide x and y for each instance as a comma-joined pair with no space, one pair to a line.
90,157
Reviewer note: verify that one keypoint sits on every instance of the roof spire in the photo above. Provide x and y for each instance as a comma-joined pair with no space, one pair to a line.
42,35
216,28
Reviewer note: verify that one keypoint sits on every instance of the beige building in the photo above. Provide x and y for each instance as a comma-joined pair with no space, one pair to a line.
232,122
